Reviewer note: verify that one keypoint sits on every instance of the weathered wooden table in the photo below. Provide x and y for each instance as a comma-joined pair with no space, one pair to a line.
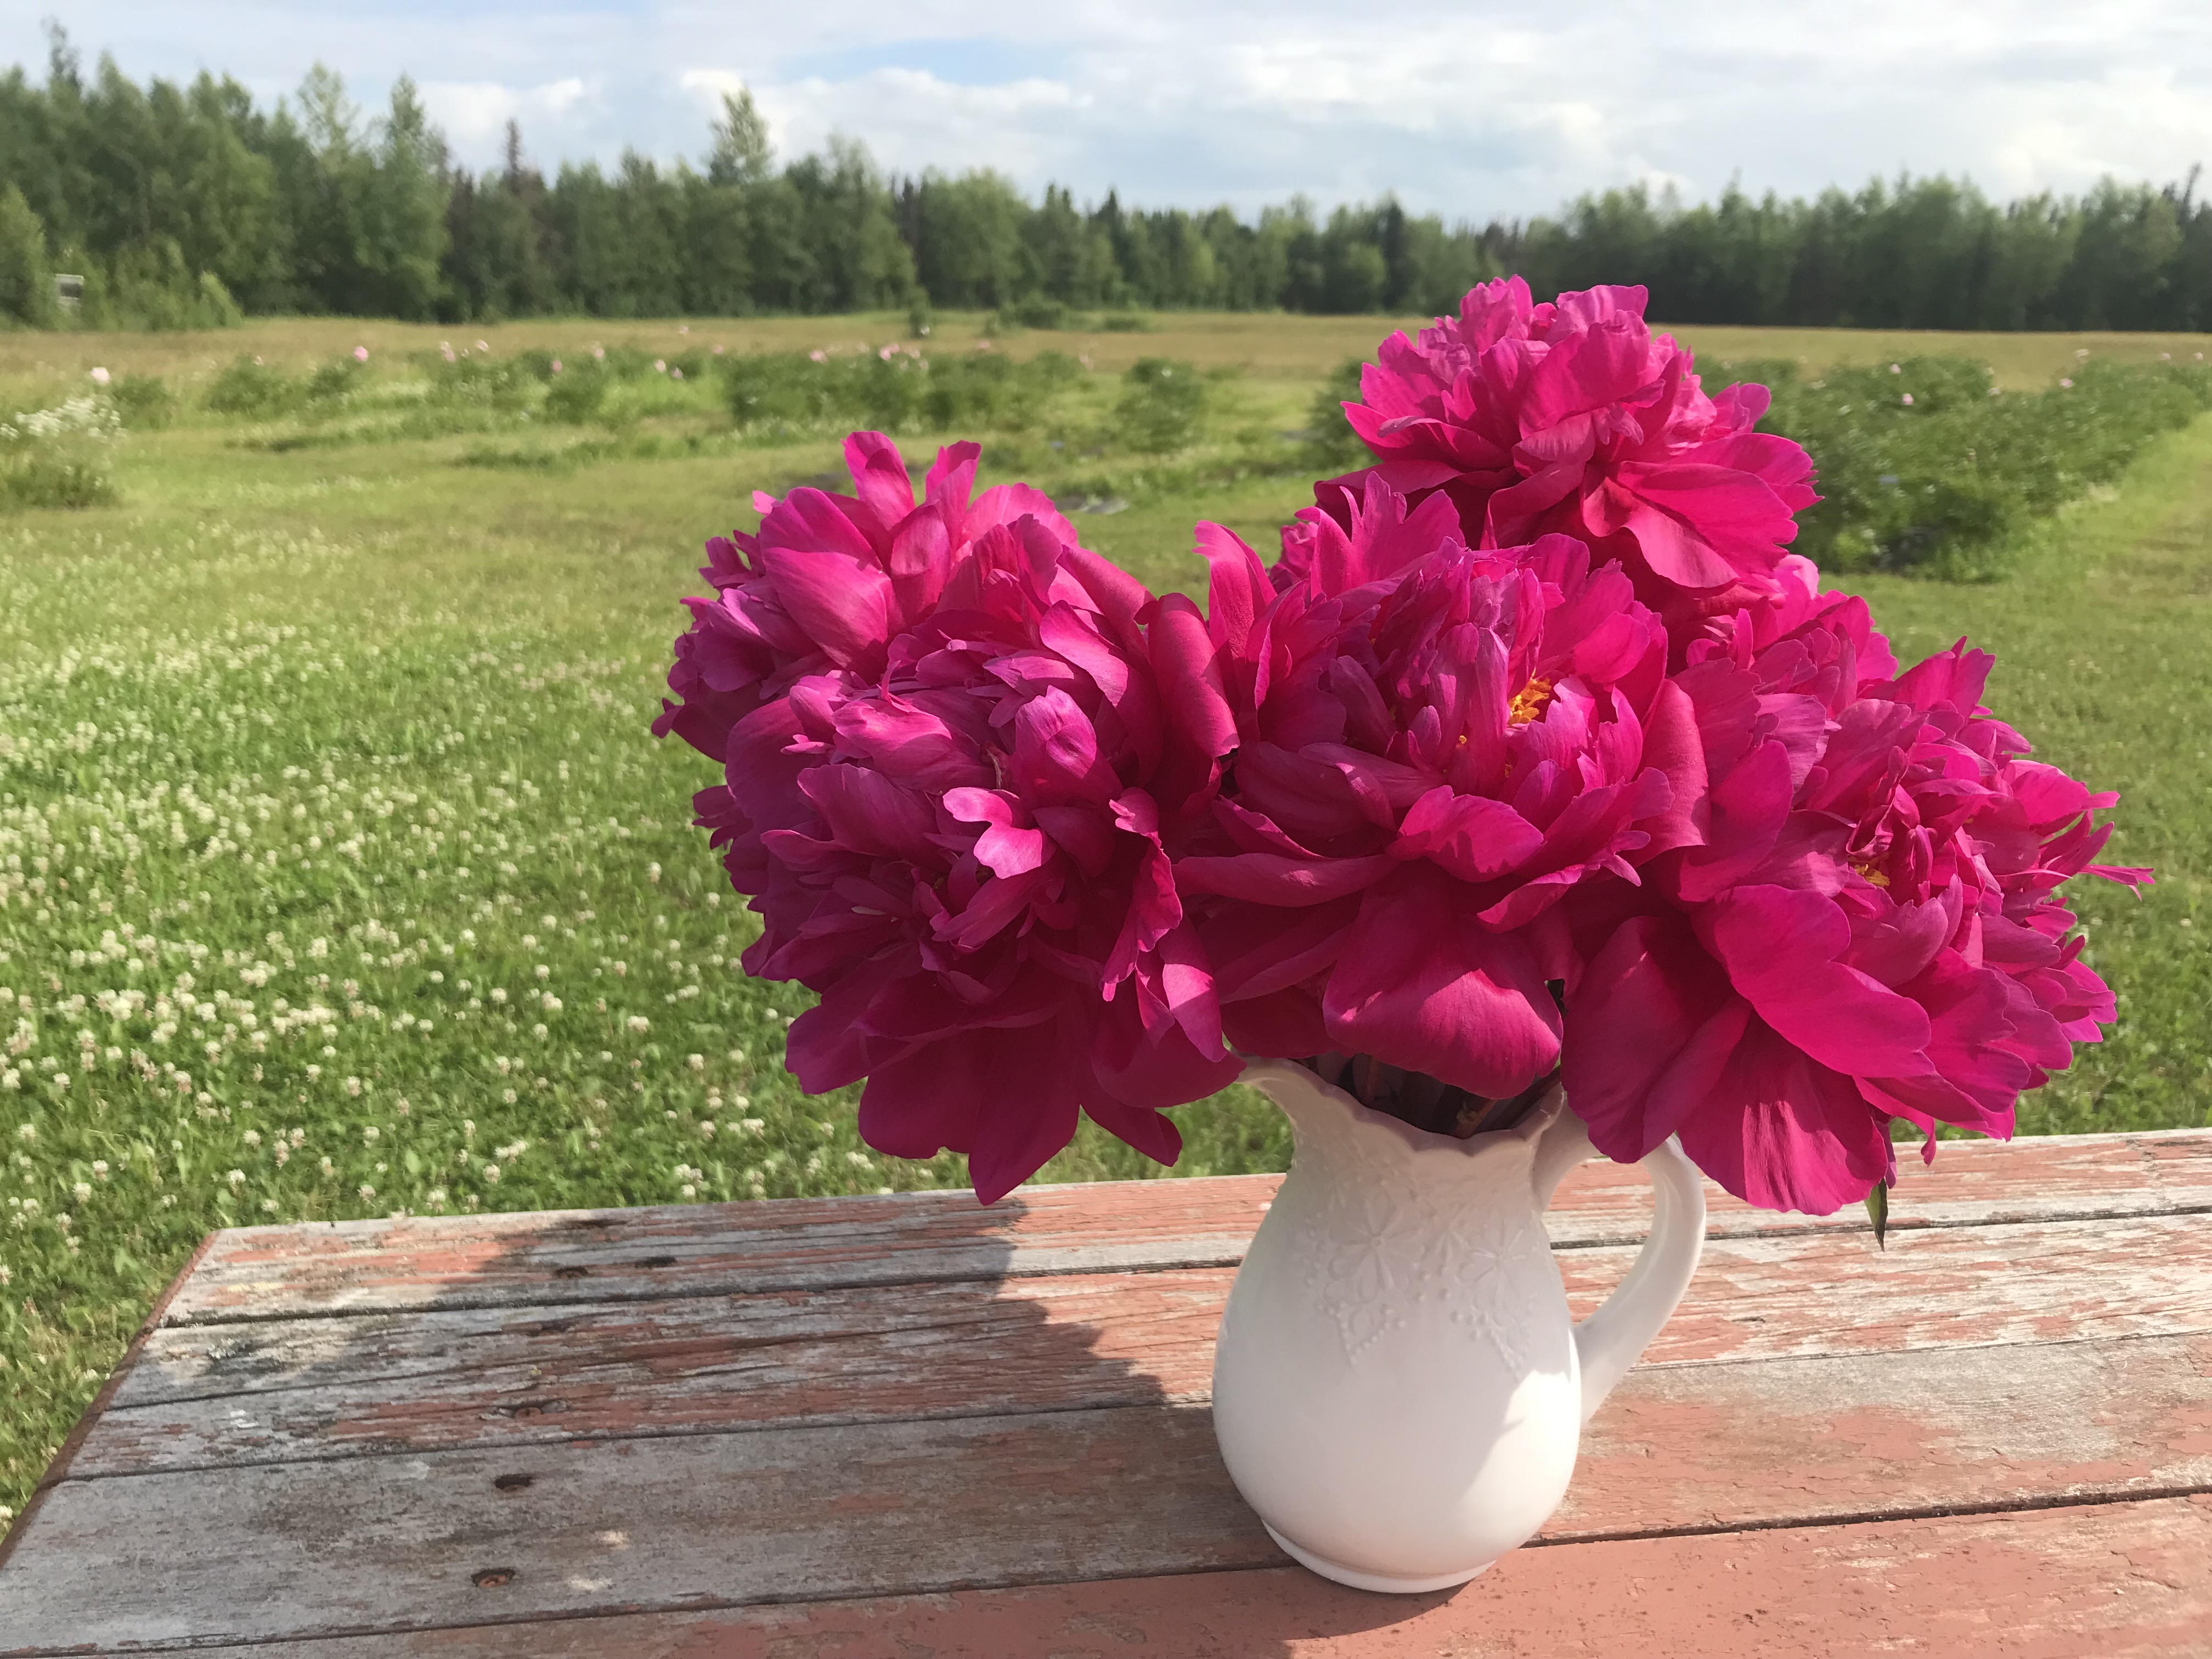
907,1426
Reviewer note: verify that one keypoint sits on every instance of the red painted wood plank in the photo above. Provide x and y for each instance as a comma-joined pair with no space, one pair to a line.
263,1552
376,1384
568,1256
2122,1581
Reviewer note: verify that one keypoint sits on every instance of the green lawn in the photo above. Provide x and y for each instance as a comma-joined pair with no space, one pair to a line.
338,875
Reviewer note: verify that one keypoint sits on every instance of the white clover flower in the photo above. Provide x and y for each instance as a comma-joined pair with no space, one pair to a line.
81,1191
236,1178
366,1190
639,1025
491,1172
697,1062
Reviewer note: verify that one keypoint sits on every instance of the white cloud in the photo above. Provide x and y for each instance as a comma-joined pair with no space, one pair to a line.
473,113
1472,109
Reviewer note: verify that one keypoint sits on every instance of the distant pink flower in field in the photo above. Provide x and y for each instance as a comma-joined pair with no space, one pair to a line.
1907,400
446,352
101,376
675,373
718,349
818,356
360,354
660,365
887,353
598,351
556,365
1896,368
481,346
2069,384
2166,356
1085,359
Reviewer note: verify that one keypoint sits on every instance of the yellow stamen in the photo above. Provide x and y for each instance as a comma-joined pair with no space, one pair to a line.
1530,703
1872,872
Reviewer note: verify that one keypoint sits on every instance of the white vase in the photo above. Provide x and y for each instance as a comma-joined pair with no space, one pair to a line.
1398,1389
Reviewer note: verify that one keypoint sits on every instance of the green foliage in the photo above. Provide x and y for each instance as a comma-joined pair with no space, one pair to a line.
903,390
1035,311
144,402
150,286
1335,447
26,279
313,207
59,457
1923,466
1917,254
1161,407
249,387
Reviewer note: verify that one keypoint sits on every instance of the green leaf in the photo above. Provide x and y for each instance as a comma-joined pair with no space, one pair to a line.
1877,1207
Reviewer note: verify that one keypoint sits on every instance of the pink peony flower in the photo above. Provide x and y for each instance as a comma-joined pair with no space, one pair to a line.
1438,745
827,580
965,852
1571,417
1866,930
360,354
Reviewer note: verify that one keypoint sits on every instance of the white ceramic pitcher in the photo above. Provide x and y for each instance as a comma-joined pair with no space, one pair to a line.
1398,1389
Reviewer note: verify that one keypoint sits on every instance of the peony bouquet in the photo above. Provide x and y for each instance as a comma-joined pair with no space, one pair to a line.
1536,758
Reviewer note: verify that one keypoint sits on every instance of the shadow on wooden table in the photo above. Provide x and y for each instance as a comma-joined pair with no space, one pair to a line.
586,1433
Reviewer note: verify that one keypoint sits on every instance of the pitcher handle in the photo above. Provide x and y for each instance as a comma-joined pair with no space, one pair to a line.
1613,1337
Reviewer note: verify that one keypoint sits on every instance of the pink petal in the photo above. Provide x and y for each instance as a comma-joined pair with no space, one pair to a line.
1419,985
1781,949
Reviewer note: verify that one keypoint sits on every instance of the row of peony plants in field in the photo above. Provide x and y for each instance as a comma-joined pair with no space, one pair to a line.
1926,465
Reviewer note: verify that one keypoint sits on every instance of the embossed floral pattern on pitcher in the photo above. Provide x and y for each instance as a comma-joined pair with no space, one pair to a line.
1398,1389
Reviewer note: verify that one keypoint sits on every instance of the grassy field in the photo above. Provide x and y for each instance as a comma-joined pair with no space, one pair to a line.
338,876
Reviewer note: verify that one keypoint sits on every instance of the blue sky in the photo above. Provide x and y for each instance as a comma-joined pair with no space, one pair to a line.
1473,110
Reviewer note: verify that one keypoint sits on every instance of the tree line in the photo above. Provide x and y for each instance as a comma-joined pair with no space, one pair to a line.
188,205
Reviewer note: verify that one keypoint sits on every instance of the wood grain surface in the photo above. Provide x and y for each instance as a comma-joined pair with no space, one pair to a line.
597,1255
2122,1580
900,1425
